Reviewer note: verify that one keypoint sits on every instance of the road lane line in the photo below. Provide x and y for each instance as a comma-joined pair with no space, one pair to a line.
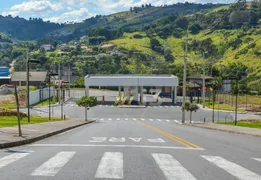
111,166
118,119
11,158
176,121
134,119
126,119
151,119
110,119
171,168
54,165
167,120
257,159
159,119
171,136
232,168
101,119
116,146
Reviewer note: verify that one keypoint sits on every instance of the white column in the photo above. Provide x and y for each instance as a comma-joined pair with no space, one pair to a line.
141,94
175,94
87,90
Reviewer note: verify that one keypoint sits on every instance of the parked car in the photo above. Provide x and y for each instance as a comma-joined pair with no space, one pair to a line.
164,95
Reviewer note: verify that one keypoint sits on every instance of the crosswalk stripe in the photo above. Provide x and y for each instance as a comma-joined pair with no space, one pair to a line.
151,119
134,119
167,120
101,119
171,168
232,168
54,165
11,158
109,119
257,159
176,121
126,119
159,119
111,166
118,119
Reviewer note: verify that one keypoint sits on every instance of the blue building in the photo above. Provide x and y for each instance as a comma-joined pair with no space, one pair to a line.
4,72
4,76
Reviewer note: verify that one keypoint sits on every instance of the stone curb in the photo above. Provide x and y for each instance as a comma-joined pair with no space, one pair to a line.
224,130
38,138
122,106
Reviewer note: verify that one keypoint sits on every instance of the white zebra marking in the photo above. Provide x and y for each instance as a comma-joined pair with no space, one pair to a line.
111,166
171,168
11,158
232,168
54,165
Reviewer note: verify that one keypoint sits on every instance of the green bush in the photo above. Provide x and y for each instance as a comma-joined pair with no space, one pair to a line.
137,36
11,113
87,101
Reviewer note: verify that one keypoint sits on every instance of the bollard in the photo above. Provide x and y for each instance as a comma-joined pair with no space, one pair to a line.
103,98
204,119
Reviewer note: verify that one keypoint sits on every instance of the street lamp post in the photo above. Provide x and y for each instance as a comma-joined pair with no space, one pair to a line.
27,82
184,79
50,74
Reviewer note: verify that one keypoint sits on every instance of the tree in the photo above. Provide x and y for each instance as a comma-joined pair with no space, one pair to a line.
182,23
194,28
87,102
190,107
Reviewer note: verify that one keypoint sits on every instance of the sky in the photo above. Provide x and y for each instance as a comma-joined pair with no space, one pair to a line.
61,11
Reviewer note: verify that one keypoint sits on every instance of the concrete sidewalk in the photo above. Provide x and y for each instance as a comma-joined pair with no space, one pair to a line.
231,129
35,132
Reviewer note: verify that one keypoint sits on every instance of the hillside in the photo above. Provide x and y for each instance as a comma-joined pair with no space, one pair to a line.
22,29
129,21
226,36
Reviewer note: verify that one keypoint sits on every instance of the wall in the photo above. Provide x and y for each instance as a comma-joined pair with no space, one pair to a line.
35,96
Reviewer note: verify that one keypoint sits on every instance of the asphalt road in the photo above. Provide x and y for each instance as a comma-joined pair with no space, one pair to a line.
135,144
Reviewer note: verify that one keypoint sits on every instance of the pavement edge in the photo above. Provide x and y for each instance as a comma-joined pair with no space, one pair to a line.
224,130
38,138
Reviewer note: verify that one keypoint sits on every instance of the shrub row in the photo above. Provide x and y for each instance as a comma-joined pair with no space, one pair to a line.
11,113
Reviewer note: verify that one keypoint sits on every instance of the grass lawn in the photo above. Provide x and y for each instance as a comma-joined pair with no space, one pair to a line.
245,123
7,121
8,105
224,107
45,102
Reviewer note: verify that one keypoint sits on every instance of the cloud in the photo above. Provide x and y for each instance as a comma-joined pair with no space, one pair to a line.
33,7
75,15
36,6
78,10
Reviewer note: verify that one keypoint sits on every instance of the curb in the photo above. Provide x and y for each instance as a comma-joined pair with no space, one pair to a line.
122,106
28,141
229,131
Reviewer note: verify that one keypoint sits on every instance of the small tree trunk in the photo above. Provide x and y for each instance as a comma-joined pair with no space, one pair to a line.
190,116
85,113
18,113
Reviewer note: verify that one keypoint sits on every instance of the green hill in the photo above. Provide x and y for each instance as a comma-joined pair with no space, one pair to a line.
129,21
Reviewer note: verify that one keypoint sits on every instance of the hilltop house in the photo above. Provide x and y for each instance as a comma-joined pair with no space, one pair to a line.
48,47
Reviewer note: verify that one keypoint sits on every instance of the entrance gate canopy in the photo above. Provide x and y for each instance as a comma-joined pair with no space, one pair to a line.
131,80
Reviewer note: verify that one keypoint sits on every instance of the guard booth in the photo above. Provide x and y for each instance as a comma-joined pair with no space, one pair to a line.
133,85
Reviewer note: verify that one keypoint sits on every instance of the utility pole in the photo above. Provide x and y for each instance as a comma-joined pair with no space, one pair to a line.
184,79
27,87
236,100
69,79
204,82
59,77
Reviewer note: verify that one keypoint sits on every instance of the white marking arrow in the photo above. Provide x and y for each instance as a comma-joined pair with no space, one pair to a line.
135,139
